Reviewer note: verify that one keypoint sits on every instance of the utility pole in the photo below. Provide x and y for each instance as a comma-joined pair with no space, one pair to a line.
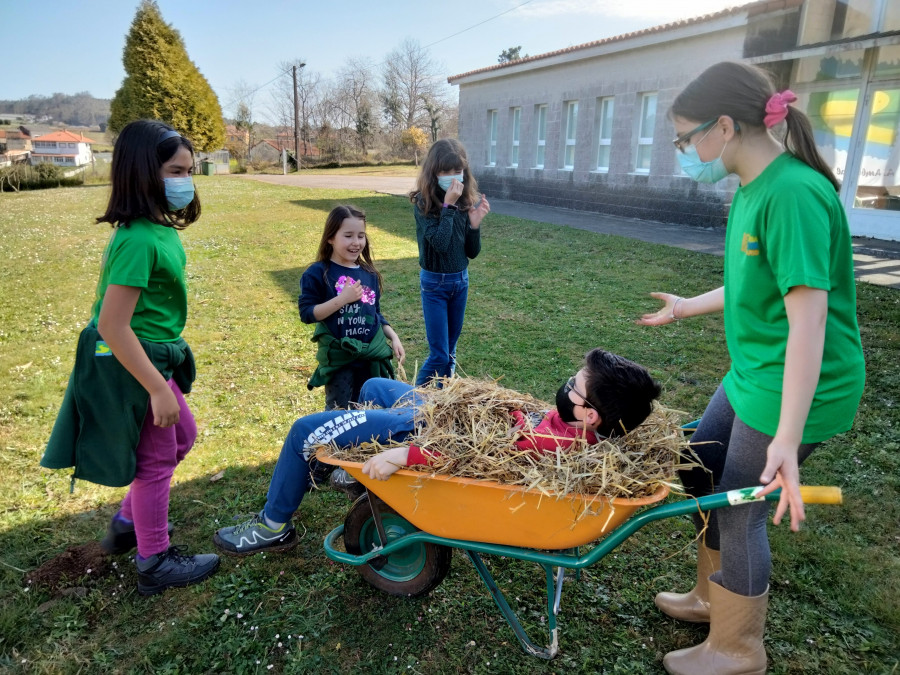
297,117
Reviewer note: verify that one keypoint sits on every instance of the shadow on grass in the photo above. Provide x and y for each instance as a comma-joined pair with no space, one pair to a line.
237,617
381,211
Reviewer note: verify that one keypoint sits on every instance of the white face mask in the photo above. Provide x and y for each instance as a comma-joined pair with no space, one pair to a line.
445,181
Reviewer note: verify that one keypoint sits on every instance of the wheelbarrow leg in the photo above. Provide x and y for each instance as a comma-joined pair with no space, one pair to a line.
557,597
510,616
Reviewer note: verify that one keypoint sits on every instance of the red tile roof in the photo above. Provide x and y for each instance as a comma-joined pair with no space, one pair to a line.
64,137
752,8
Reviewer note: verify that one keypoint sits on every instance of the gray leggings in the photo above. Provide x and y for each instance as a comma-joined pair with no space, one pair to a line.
735,456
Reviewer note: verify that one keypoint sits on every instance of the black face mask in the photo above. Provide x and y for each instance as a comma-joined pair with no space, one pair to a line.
564,405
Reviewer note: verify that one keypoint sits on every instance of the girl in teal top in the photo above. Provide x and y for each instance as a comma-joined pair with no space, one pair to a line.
797,369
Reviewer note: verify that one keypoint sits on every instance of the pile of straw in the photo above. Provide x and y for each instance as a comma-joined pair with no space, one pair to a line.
468,426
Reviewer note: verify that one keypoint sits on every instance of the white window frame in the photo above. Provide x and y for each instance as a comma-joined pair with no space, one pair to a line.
571,137
606,109
540,156
515,128
492,138
645,141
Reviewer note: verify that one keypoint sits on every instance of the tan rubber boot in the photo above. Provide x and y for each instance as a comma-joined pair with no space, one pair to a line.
693,605
735,642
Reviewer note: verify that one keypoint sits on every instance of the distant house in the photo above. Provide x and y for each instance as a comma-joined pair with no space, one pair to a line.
237,136
63,148
17,146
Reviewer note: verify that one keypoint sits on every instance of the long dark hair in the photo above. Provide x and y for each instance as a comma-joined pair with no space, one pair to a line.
138,191
741,92
332,225
447,154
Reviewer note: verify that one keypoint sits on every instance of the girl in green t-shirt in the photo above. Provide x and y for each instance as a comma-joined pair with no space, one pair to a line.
136,356
788,284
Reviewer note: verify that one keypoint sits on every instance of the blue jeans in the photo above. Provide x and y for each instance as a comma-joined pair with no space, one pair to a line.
346,428
444,307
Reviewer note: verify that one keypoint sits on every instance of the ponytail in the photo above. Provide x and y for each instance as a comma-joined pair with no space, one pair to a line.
798,139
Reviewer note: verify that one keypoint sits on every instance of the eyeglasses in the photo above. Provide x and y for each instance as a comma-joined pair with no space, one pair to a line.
570,386
681,142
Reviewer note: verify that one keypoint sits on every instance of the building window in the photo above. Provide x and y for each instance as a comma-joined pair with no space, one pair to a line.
645,133
516,122
841,19
492,138
571,125
604,132
541,114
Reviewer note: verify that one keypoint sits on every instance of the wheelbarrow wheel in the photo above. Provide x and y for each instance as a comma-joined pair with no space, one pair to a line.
410,572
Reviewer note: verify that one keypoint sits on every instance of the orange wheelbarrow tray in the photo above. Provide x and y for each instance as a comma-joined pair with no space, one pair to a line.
399,533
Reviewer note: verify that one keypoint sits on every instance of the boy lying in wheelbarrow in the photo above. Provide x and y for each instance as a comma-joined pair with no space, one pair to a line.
609,395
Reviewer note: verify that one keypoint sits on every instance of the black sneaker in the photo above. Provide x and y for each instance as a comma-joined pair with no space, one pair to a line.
120,537
254,535
173,569
319,472
343,481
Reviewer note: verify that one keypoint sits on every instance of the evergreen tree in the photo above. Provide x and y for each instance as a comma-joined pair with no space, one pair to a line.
162,83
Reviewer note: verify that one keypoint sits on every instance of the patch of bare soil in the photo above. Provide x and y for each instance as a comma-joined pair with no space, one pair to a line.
71,565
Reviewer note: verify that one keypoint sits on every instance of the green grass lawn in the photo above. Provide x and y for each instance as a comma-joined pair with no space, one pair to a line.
541,296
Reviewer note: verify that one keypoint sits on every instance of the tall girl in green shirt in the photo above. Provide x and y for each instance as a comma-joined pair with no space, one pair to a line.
797,369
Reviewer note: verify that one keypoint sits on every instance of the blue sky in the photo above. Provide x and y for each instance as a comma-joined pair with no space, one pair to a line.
76,45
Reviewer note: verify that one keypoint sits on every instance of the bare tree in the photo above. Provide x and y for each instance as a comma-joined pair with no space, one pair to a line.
356,91
241,98
409,77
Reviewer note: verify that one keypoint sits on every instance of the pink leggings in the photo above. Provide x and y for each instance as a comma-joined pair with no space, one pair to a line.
158,452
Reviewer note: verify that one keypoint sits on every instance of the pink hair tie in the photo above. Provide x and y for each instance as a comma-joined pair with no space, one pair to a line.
777,107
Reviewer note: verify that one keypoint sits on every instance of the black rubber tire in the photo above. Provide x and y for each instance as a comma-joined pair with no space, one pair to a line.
409,573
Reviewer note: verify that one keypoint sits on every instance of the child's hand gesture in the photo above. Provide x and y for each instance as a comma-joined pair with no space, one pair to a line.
454,192
383,465
477,214
351,292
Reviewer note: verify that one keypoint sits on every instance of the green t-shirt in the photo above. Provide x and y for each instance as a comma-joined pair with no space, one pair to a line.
787,228
150,257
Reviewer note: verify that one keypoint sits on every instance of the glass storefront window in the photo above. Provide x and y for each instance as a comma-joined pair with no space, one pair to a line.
828,68
891,16
888,63
826,20
879,174
831,114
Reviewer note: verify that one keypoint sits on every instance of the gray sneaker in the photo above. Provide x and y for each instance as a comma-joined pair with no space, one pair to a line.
253,536
343,481
172,569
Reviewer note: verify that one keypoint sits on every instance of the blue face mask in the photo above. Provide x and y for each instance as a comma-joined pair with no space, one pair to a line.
179,192
700,171
445,181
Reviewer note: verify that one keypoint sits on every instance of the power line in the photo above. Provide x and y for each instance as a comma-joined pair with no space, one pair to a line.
444,39
464,30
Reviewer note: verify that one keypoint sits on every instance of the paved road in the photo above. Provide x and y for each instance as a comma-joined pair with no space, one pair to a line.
876,261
